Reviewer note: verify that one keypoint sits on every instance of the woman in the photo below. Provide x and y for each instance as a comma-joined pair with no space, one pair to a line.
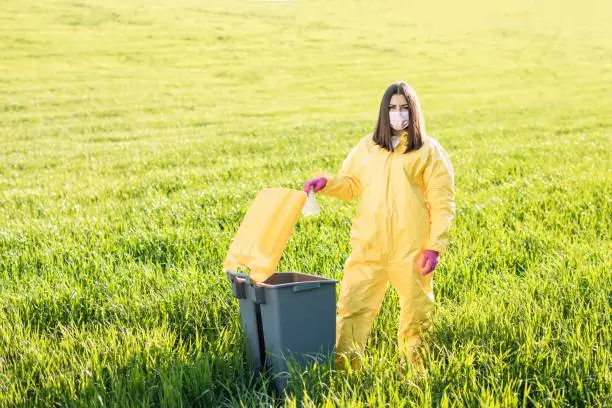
405,183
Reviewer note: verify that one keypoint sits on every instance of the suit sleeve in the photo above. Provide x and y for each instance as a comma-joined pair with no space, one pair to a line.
345,185
439,180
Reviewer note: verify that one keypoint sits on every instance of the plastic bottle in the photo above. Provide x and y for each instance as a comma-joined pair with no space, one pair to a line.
311,207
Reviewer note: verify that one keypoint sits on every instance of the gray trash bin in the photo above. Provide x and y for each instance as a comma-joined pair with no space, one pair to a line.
289,317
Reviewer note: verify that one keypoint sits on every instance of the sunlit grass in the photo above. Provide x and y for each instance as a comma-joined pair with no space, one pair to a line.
134,134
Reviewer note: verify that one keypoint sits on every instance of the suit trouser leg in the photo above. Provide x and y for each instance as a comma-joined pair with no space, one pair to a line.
362,291
416,299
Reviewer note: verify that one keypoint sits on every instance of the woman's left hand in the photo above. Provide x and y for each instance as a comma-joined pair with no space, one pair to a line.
429,261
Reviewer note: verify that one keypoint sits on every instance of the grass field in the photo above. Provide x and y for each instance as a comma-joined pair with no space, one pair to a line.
134,134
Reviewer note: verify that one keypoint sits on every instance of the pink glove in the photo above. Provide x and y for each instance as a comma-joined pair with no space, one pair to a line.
429,260
317,184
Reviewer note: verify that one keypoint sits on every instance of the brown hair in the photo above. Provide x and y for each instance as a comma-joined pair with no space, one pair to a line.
416,127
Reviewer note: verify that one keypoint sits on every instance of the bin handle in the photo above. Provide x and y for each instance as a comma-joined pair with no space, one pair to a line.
235,275
238,280
306,286
240,290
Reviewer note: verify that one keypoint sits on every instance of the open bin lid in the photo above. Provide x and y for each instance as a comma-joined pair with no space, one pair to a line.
265,231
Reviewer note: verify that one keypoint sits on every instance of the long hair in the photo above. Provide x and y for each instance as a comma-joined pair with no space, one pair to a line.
416,127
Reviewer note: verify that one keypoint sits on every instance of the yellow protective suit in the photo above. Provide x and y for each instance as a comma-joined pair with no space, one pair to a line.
406,205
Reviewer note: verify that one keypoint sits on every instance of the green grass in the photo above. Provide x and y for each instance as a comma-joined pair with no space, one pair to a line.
134,134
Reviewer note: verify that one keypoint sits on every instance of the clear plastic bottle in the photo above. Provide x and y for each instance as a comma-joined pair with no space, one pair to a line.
311,207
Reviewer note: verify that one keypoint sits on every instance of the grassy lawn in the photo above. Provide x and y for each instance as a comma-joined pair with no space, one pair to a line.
134,134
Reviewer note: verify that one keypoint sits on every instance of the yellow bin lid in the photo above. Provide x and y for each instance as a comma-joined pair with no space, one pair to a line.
265,231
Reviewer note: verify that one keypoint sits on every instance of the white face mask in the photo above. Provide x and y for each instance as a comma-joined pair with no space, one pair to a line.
399,120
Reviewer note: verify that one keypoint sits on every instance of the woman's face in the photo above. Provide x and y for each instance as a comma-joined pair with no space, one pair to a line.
398,103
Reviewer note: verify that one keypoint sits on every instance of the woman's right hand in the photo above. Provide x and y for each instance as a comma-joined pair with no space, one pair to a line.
317,184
